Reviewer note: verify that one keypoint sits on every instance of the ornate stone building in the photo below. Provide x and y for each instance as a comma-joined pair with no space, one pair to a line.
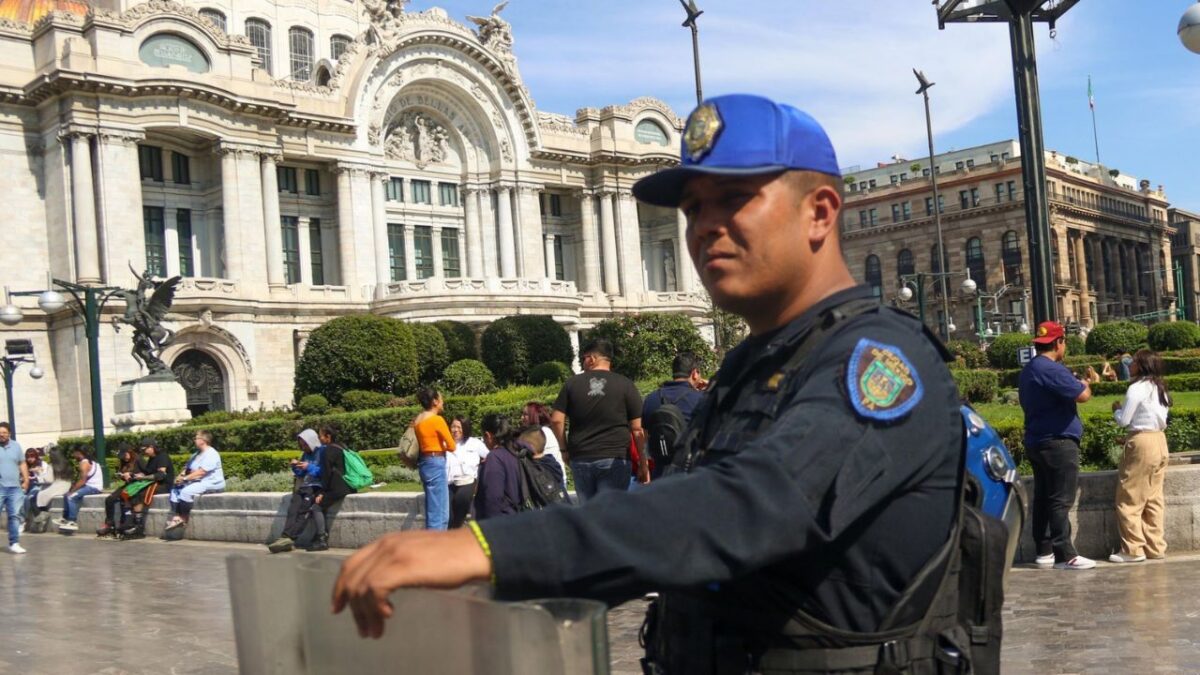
1108,229
299,161
1185,251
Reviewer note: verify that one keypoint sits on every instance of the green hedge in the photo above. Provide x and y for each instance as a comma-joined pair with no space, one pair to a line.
550,372
357,399
976,386
432,353
646,344
1114,337
247,464
1100,436
512,345
967,354
467,377
1173,335
1002,352
1188,382
360,351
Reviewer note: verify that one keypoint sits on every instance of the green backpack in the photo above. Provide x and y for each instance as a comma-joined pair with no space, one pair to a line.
357,475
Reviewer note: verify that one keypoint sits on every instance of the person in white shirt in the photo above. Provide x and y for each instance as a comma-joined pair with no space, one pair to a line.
462,469
1140,506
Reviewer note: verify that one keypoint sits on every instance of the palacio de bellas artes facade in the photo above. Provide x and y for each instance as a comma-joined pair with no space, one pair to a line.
300,161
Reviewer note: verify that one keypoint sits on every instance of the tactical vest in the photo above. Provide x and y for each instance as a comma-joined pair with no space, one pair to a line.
924,633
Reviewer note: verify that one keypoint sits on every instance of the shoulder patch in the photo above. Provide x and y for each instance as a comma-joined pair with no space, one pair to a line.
881,382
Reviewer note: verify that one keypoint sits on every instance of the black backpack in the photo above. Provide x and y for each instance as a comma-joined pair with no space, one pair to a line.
664,428
541,485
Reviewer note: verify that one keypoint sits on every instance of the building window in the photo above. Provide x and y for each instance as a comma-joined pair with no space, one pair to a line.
291,248
903,177
394,189
1012,191
1010,252
871,182
964,199
150,162
895,213
974,196
259,32
995,158
1089,268
315,253
905,264
396,250
1055,273
874,214
556,205
975,264
450,257
862,217
337,46
560,272
180,168
925,173
874,276
895,179
300,43
958,166
312,182
448,194
183,226
999,192
906,210
862,185
420,192
423,250
286,176
156,240
216,16
970,164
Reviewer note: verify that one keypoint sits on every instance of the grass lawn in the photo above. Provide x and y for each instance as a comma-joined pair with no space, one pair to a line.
995,412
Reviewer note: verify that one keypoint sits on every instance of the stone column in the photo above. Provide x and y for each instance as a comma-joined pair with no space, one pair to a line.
532,252
302,227
487,222
345,206
474,234
1100,276
462,247
550,259
231,243
1121,269
591,252
410,254
683,259
272,225
83,197
508,256
170,241
118,209
632,277
383,267
608,243
656,278
1061,271
439,267
1085,310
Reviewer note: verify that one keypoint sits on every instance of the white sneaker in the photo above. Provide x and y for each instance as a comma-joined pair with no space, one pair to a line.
16,548
1124,558
1044,561
69,526
1077,563
58,522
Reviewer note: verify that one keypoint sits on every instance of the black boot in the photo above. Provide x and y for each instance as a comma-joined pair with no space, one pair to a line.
319,543
136,529
107,530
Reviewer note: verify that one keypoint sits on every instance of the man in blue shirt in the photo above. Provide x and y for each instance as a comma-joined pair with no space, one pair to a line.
14,480
684,392
1049,393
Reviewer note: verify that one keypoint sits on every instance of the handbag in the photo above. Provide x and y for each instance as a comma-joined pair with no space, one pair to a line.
409,450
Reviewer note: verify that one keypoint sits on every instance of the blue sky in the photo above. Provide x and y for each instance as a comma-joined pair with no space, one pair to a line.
849,63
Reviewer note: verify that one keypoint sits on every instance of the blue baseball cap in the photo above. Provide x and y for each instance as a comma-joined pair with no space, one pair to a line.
741,135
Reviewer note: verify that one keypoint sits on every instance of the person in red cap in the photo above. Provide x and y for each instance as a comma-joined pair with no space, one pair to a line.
1049,392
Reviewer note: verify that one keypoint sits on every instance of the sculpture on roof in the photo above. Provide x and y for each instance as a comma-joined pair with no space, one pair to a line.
495,33
385,18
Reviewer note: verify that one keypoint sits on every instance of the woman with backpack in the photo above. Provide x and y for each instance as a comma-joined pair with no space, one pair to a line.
1141,510
538,415
334,485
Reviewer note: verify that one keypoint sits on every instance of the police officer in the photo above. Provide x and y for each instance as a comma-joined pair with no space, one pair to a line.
816,497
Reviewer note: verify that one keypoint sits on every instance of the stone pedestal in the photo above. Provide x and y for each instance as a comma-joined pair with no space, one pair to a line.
142,405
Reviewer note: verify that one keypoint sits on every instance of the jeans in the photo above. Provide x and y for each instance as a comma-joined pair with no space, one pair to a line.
13,501
72,502
432,469
595,475
1055,474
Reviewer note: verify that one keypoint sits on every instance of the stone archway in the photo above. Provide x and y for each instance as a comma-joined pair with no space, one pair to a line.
203,380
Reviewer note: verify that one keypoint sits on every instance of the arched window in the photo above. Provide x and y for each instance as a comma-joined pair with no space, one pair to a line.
259,33
300,51
649,131
874,276
904,263
322,76
975,263
214,15
1010,252
337,46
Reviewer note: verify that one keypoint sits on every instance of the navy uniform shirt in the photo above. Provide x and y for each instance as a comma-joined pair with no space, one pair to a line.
846,489
679,392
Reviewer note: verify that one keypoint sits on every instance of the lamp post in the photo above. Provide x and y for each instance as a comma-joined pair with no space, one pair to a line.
693,13
1189,28
937,205
17,352
89,303
1020,16
917,279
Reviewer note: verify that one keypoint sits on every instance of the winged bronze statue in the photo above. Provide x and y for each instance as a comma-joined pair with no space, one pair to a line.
145,309
693,12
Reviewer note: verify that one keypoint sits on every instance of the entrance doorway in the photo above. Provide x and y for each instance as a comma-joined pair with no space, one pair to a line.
203,381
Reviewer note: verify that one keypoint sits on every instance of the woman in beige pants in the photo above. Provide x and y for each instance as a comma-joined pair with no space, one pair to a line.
1140,507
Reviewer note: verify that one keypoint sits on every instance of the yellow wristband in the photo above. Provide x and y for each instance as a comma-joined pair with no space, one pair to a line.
483,544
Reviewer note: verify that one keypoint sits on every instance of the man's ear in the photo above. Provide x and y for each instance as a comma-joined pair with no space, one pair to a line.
825,204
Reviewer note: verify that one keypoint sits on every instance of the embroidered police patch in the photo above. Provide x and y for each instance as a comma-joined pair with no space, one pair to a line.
882,382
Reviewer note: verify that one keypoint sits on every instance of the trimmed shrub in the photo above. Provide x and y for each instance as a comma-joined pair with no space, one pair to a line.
967,354
246,464
467,377
1114,337
1173,335
357,399
511,344
222,416
550,372
312,404
1002,352
1185,382
362,351
460,340
432,354
1076,345
976,386
1181,366
646,344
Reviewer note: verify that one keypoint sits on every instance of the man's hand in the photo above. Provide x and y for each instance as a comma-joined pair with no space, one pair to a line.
318,499
24,485
401,559
643,471
303,466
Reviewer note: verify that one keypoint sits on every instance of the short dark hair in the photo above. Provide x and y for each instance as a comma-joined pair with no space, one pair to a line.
498,426
148,442
684,364
329,429
465,422
599,347
1043,347
535,437
6,425
426,396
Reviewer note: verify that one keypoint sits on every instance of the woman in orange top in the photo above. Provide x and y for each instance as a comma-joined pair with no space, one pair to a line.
433,436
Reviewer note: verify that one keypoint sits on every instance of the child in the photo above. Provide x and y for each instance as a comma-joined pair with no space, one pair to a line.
304,504
535,440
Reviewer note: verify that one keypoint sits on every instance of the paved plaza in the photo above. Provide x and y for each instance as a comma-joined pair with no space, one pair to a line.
82,605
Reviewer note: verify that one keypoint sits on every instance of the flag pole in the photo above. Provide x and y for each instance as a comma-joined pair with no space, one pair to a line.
1092,105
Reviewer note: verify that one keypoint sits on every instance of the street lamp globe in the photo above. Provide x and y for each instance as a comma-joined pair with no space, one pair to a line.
1189,29
1024,327
51,301
950,328
969,286
36,372
906,294
989,332
10,315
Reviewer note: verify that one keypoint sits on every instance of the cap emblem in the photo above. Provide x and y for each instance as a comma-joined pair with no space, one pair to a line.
1042,331
702,129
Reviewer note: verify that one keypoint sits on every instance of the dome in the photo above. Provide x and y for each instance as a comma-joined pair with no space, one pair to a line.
29,11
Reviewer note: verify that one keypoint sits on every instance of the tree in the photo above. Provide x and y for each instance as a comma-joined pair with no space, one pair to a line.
460,340
510,346
361,351
646,344
432,353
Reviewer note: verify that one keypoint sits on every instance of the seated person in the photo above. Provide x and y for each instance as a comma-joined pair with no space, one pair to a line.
333,481
201,474
58,471
305,493
154,473
41,476
90,482
115,510
499,489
